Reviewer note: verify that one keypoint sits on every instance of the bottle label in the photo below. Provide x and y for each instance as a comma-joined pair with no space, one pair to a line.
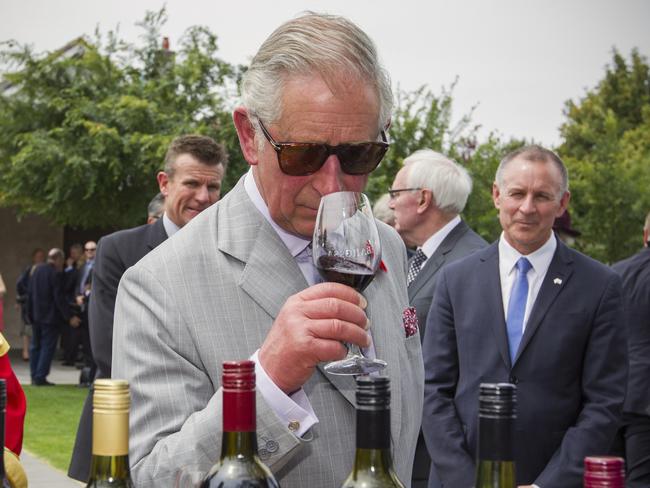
496,439
238,411
373,429
110,434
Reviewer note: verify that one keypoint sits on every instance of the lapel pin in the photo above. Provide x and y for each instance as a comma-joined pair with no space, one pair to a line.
557,281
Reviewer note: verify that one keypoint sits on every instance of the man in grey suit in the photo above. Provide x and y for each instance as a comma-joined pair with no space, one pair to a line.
531,311
190,182
238,281
427,196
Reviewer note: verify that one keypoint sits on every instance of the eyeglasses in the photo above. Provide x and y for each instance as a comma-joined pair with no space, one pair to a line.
90,249
393,193
305,158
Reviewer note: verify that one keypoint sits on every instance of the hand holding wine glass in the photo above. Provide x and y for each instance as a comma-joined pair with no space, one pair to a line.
346,250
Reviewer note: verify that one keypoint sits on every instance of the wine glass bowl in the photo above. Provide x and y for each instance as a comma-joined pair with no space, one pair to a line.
346,249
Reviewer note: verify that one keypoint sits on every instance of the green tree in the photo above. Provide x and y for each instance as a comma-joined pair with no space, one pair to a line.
421,119
84,130
607,150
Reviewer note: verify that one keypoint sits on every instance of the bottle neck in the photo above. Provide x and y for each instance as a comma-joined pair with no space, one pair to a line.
239,429
109,468
373,437
496,439
110,433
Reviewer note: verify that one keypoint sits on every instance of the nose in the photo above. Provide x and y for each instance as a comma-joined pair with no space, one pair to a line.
391,203
527,205
329,178
202,194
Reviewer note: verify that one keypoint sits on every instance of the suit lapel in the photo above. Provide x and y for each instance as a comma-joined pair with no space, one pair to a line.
156,234
555,280
493,300
433,264
271,274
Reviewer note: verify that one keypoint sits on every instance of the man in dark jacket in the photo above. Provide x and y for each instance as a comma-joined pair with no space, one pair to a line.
190,183
48,310
634,435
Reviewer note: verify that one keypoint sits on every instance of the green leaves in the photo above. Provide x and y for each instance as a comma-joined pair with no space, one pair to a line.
84,130
607,150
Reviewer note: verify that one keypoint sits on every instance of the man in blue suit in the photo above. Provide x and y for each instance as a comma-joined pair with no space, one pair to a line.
530,311
47,310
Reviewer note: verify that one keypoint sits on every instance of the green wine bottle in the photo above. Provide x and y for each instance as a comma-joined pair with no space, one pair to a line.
496,430
373,463
110,461
239,465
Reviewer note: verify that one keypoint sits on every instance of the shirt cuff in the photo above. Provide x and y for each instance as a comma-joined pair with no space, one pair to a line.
294,410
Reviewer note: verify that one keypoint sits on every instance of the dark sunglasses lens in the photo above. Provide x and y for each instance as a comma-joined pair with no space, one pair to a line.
302,159
361,159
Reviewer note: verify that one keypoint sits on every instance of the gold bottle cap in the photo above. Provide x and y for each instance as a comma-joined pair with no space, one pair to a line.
111,402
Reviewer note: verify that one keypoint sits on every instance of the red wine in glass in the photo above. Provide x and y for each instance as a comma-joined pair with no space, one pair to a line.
346,250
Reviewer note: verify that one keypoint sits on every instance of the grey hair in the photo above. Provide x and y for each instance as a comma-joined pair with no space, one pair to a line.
535,154
449,182
156,206
327,45
55,253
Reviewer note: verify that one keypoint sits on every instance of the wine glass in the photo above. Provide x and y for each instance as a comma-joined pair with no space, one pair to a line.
346,250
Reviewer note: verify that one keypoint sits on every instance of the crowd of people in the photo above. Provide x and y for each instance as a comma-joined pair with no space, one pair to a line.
164,304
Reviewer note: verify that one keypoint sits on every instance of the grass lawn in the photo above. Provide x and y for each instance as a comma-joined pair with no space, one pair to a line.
51,422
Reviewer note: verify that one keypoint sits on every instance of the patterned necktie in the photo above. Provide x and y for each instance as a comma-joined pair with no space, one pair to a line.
414,266
517,306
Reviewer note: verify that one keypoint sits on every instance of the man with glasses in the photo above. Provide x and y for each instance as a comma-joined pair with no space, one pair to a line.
427,196
239,282
190,182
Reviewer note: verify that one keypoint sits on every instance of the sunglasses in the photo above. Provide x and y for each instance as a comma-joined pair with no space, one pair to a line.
306,158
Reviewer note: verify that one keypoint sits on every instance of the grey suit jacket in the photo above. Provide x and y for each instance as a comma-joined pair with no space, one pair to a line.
115,254
211,293
460,242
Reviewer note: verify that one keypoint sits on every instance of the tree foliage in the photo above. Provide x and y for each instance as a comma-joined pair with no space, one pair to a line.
606,147
84,130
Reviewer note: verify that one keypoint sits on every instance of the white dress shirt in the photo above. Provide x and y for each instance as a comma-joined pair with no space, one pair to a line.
540,261
432,244
170,227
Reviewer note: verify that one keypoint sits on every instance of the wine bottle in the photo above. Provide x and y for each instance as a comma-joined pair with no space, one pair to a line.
239,465
604,472
4,482
496,429
109,466
373,463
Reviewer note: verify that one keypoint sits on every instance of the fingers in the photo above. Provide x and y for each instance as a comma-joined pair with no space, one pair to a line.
325,308
334,290
339,331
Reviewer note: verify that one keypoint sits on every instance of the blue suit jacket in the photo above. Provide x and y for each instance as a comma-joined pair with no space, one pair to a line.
570,369
46,297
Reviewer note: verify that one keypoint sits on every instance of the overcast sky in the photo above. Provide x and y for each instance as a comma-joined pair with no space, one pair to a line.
519,60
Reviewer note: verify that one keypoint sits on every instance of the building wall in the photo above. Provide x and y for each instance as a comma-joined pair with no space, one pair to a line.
17,241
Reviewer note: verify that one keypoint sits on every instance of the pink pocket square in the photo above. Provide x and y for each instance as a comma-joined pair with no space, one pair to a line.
410,320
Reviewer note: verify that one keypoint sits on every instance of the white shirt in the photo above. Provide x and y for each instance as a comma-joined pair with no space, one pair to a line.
432,244
294,410
540,261
170,227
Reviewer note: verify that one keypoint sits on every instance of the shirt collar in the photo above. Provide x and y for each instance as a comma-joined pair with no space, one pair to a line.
432,243
295,244
170,227
540,259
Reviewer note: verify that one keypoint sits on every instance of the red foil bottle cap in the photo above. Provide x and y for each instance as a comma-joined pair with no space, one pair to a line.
604,472
238,384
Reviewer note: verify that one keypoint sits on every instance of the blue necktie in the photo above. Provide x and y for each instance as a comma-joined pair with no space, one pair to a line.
517,307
